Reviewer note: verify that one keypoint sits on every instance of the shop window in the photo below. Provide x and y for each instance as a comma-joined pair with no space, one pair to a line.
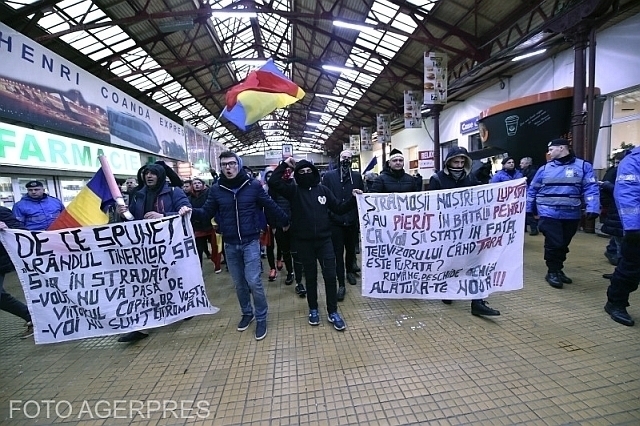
6,192
625,123
70,188
445,147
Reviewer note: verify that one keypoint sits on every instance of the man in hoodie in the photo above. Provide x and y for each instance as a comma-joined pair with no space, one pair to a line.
37,210
154,200
456,173
508,172
556,194
237,201
393,177
344,228
311,203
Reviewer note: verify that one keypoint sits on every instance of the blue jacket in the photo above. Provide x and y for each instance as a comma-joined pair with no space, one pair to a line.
238,211
168,202
37,215
626,192
560,188
503,176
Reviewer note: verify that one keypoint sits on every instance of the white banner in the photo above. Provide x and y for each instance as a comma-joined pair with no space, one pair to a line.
111,279
461,243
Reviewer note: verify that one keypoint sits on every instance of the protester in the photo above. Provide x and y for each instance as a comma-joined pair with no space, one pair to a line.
456,173
156,199
508,172
557,193
203,229
237,201
310,225
37,210
393,177
8,303
344,228
626,276
187,186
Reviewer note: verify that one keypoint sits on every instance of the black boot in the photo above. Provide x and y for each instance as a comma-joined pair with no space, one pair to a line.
479,307
341,292
565,279
607,276
619,314
351,278
553,279
134,336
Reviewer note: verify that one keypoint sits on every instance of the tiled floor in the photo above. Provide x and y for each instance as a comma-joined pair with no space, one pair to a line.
553,358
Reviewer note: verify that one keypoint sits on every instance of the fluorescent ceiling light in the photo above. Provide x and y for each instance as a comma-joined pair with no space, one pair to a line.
332,97
248,61
528,55
339,69
238,15
310,123
321,114
356,27
313,132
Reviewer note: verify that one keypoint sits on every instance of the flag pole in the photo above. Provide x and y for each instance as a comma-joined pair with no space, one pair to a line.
113,185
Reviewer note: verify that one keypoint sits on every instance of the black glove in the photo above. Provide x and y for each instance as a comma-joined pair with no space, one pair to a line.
591,216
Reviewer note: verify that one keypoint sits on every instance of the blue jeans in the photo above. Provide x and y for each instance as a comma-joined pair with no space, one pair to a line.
243,261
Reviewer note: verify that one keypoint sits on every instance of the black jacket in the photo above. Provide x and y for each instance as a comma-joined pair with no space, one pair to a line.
9,218
444,180
198,200
310,207
392,181
343,192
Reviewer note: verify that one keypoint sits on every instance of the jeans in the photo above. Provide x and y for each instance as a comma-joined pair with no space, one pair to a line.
12,305
243,261
558,234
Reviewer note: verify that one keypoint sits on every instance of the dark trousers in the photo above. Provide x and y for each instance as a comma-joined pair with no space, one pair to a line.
310,252
283,240
344,240
532,222
557,237
12,305
626,276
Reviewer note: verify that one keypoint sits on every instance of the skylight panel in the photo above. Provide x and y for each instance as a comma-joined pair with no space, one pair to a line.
404,22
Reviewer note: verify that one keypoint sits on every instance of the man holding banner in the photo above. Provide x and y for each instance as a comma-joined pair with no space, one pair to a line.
155,200
456,173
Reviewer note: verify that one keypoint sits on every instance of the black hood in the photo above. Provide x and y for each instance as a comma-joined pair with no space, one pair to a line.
301,165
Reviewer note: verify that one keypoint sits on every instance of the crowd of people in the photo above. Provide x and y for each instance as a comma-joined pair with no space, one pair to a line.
312,219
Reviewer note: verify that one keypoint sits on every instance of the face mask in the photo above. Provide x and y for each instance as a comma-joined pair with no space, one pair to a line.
456,173
306,180
345,163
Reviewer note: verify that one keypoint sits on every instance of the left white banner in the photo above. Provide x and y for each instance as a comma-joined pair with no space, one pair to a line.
110,279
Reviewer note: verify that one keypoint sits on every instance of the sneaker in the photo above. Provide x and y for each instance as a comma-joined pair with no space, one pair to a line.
279,265
261,330
300,290
134,336
335,319
28,332
314,317
289,279
534,232
341,292
245,321
351,278
273,274
217,271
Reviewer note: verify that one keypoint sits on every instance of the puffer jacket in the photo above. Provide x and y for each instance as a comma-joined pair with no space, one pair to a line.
392,181
169,201
612,224
37,215
560,188
445,180
10,220
238,211
627,191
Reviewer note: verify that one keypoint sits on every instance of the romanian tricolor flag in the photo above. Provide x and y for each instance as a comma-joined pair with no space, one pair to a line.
89,206
262,92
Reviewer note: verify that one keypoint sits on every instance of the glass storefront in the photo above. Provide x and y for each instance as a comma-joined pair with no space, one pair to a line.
625,123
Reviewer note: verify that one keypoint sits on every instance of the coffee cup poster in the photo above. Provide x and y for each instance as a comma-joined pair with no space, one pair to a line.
463,243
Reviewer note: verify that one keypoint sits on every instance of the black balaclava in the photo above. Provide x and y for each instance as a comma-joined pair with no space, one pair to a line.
306,180
345,170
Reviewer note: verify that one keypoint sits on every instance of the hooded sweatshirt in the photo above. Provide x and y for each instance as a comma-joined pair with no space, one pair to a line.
310,201
160,198
450,177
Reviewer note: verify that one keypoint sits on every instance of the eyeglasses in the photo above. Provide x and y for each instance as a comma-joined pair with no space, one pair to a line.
305,171
229,164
